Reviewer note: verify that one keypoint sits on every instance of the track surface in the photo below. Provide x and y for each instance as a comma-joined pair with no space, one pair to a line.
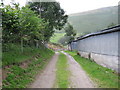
46,79
78,77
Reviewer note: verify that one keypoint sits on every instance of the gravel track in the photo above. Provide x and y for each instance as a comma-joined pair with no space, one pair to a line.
47,78
78,77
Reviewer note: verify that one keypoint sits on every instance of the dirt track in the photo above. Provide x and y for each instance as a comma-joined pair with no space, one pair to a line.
78,77
47,78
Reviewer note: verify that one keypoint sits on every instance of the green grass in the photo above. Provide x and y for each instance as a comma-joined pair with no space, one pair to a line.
56,37
21,77
62,72
104,77
14,54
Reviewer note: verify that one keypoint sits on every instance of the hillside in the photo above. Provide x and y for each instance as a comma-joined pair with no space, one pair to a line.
94,20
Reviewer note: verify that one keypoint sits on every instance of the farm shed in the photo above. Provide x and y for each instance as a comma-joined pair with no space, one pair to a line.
101,47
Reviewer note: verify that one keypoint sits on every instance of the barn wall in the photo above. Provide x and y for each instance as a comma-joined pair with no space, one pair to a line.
119,51
74,46
103,49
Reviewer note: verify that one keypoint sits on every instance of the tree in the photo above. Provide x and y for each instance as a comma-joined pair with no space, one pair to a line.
31,27
69,36
69,30
64,40
22,25
51,12
10,24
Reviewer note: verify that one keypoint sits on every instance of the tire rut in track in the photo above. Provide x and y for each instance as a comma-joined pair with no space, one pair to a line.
78,77
47,78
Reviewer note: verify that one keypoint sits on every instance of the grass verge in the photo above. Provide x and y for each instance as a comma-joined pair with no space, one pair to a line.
20,77
62,72
104,77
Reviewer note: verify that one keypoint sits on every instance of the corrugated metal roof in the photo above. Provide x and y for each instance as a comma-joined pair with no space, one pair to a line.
108,30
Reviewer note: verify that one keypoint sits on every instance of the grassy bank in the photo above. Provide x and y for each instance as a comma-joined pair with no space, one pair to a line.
23,66
104,77
13,54
62,72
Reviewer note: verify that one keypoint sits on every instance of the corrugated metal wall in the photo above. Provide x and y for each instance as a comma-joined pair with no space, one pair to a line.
103,49
100,44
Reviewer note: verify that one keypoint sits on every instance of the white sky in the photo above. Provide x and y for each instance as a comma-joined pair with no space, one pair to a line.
75,6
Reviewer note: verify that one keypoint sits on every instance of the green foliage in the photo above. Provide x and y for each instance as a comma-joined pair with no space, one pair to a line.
69,36
104,77
69,30
10,24
62,72
22,25
25,26
15,56
51,12
64,40
32,26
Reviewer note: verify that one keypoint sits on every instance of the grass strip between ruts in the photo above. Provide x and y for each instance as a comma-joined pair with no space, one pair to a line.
62,72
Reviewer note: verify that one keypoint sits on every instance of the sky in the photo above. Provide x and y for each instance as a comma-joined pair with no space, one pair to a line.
76,6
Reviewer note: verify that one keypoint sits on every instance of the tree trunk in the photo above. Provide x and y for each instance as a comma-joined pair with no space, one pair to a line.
22,45
37,44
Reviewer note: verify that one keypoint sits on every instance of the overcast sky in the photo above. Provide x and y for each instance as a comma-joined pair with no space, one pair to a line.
75,6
